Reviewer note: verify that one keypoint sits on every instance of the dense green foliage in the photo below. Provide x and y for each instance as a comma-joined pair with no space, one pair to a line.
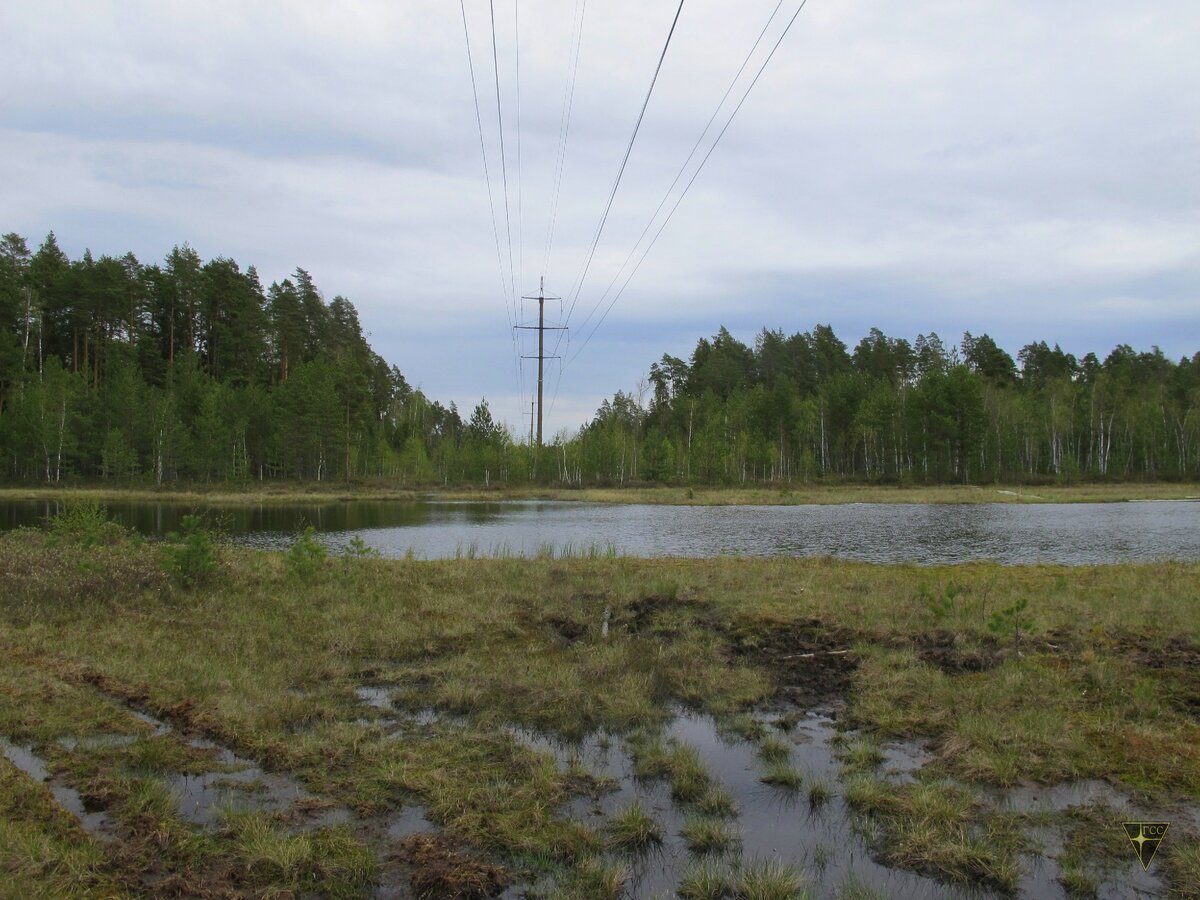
191,371
804,406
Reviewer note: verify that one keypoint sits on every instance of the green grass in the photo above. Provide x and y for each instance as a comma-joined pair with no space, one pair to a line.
861,755
593,878
819,793
1077,882
633,828
1094,846
939,828
43,851
690,781
39,708
716,801
706,879
329,862
741,726
774,749
709,834
1182,865
1095,716
679,763
267,665
766,880
782,774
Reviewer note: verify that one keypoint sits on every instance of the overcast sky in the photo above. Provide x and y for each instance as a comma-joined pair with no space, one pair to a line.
1025,168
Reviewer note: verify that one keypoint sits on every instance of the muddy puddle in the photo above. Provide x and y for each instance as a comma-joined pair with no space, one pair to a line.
238,785
782,825
380,697
1042,871
95,823
773,824
243,786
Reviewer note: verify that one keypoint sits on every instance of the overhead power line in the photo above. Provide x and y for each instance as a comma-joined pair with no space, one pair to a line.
564,124
692,180
503,160
504,288
683,168
624,161
520,185
616,184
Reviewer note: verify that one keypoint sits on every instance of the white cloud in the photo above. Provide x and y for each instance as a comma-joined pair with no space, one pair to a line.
1016,167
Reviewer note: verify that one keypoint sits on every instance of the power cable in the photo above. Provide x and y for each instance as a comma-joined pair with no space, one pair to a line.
616,184
520,185
683,168
491,204
503,160
564,124
624,161
691,181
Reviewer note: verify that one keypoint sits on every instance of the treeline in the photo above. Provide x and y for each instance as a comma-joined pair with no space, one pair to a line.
191,370
805,406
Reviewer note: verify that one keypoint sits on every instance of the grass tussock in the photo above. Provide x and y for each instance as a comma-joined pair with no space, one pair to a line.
861,755
741,726
1078,882
716,802
939,828
709,834
677,762
707,879
819,794
782,774
329,862
853,888
768,880
633,828
593,878
774,749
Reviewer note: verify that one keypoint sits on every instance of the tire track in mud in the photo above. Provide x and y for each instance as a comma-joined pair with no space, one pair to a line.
410,850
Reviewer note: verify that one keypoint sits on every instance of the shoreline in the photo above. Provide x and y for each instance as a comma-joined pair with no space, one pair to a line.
226,495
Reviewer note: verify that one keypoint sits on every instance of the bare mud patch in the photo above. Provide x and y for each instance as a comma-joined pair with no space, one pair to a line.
443,869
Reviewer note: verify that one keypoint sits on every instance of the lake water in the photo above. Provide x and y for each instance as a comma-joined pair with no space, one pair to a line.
1076,534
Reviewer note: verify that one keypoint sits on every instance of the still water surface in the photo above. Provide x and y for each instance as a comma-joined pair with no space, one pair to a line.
1076,534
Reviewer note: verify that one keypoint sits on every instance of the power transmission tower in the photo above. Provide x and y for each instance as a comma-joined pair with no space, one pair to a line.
541,328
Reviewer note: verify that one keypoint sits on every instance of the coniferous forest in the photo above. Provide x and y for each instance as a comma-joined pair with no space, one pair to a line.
193,371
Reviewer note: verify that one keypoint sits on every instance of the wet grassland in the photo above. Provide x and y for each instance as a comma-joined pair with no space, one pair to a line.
783,494
189,720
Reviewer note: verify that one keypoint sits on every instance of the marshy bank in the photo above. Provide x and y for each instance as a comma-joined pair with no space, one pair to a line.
241,723
815,492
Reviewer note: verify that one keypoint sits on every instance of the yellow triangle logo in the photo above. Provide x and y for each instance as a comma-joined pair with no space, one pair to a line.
1145,837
